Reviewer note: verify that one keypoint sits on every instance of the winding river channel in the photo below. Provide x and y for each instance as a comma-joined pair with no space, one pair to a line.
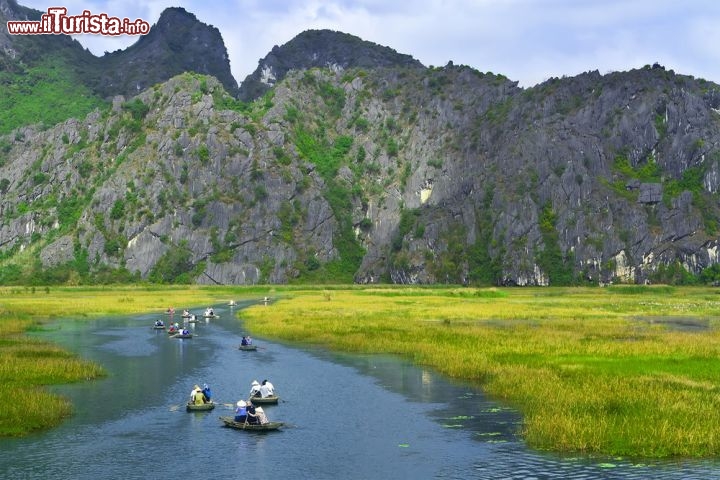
347,417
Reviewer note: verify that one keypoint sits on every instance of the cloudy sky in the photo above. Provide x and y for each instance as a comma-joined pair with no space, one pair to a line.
526,40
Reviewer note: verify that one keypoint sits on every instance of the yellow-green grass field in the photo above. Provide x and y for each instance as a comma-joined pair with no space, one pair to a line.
632,371
593,370
27,364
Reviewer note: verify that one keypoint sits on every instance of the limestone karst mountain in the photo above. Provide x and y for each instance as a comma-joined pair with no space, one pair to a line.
368,172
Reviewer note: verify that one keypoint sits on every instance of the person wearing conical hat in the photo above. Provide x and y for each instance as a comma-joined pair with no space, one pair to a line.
260,413
255,389
241,411
196,396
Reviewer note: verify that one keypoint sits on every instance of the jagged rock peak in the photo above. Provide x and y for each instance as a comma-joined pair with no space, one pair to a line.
320,48
178,42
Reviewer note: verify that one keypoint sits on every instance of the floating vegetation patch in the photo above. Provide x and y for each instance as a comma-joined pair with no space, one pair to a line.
677,323
403,445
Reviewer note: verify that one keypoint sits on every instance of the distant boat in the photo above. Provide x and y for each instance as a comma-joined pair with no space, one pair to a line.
158,327
232,303
183,335
248,348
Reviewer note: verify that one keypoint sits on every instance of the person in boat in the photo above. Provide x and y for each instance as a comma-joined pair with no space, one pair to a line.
159,323
185,331
262,418
173,328
196,396
241,411
244,341
266,389
255,389
170,310
252,417
186,313
248,340
206,393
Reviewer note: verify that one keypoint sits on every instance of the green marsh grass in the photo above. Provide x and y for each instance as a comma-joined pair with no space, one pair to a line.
585,368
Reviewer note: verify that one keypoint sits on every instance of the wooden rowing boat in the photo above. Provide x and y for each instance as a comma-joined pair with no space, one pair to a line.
271,400
191,407
248,348
211,316
265,427
158,327
180,335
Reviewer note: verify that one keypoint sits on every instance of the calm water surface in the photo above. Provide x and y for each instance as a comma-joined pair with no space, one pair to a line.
348,417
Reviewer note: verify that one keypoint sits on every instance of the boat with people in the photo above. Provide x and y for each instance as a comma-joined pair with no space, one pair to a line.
232,303
159,325
210,313
255,427
271,400
247,344
205,407
200,399
183,334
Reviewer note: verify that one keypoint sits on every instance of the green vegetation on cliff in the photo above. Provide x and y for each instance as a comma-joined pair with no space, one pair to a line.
45,94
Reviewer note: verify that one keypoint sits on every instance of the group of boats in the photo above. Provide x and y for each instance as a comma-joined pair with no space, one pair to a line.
230,422
176,331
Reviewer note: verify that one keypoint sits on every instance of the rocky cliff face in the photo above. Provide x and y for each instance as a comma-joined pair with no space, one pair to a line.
384,173
400,174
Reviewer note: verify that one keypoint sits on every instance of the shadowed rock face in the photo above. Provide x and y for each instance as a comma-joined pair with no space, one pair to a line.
320,49
177,43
